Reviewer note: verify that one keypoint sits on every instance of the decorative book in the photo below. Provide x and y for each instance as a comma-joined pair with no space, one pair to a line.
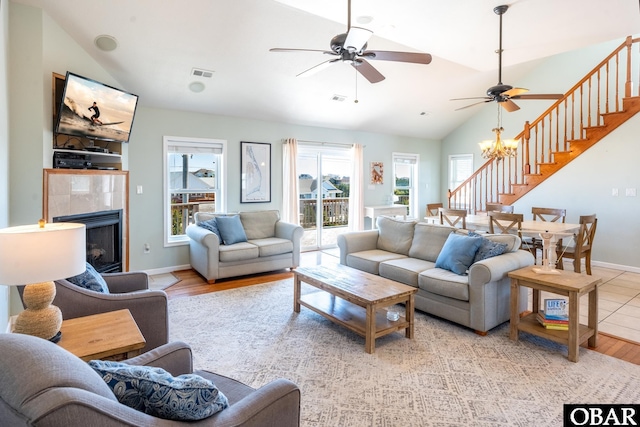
556,309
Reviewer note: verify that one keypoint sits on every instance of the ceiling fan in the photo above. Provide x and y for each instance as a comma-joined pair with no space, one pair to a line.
501,93
351,46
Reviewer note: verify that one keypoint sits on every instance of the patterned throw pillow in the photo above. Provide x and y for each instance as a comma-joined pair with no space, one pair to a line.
91,280
212,226
488,248
156,392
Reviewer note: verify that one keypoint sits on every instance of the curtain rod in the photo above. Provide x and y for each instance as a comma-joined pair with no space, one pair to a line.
329,144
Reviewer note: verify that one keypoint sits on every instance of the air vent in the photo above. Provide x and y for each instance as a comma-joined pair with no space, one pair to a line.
338,98
199,72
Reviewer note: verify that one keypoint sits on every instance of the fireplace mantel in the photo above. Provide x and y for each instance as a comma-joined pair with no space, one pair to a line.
77,191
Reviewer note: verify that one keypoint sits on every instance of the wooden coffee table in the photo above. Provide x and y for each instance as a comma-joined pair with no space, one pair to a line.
573,285
113,335
355,300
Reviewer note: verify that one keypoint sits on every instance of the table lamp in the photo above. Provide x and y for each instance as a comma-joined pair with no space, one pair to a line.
35,255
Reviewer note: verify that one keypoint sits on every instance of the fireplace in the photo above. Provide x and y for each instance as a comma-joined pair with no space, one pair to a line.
104,238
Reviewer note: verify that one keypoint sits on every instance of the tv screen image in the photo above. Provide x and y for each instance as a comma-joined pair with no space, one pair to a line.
95,110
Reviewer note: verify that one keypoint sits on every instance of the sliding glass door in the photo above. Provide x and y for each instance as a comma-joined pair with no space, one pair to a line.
324,194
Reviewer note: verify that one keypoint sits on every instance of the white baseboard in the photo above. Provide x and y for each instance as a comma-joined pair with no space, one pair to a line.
165,270
615,266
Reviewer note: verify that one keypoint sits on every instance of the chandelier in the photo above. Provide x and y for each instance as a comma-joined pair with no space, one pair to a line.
499,148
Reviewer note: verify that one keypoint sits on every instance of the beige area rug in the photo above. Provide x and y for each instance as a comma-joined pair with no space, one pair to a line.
446,376
162,281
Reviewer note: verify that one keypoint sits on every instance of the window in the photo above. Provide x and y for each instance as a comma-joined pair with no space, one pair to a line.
193,182
405,179
460,168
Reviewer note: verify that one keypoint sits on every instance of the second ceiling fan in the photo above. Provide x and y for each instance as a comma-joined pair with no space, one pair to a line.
502,93
351,46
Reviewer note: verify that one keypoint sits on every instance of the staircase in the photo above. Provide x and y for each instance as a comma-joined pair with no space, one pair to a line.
599,103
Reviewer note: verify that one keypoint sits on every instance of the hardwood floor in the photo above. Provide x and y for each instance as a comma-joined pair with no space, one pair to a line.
191,283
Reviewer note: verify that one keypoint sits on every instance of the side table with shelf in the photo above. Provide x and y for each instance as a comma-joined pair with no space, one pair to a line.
567,283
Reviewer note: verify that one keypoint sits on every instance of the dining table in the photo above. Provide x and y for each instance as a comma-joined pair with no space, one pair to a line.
548,231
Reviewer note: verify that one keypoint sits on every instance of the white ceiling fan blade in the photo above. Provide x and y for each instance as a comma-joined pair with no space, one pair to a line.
321,66
357,38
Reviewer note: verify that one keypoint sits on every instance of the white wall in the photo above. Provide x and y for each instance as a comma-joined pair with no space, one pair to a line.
4,144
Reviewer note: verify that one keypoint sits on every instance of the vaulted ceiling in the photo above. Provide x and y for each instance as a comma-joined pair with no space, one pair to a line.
160,43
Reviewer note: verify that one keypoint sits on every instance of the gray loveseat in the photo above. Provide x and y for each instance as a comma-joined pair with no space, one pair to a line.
271,244
407,251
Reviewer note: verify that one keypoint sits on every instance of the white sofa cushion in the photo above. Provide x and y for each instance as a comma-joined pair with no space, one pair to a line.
369,261
273,246
444,282
395,235
404,270
238,252
428,240
259,224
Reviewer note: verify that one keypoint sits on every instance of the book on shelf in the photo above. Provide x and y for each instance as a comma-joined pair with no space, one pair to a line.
556,308
562,325
542,317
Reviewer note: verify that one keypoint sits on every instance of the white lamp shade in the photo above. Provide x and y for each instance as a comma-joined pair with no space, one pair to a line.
31,254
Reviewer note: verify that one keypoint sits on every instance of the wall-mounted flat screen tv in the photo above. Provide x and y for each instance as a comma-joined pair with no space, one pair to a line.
95,110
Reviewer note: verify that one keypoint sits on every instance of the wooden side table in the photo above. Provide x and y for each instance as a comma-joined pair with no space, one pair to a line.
113,335
567,283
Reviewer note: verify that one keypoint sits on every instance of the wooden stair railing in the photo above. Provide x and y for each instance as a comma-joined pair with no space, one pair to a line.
600,102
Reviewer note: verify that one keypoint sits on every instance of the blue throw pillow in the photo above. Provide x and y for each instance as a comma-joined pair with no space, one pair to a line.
458,252
231,229
488,248
91,280
156,392
211,225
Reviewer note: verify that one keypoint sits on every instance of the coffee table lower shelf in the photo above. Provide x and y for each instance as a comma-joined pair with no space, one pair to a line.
530,324
351,316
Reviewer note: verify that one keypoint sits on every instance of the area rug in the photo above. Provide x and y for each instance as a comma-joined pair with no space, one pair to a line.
446,376
162,281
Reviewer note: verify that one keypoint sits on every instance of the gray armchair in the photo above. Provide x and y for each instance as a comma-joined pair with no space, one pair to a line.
42,384
126,290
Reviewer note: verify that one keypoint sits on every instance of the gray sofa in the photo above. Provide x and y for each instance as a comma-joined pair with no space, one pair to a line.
406,251
45,385
271,244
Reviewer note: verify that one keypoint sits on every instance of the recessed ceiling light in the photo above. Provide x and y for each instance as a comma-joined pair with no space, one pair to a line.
364,19
106,43
196,87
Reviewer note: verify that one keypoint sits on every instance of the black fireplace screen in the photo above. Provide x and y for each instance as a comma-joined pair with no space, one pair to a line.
104,238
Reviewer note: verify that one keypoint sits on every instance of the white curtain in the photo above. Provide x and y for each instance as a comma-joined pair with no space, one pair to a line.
356,190
290,197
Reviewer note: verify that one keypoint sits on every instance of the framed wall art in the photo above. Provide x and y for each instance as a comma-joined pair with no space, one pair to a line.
255,172
377,173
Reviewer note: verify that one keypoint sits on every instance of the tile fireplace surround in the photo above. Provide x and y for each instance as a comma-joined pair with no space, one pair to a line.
77,191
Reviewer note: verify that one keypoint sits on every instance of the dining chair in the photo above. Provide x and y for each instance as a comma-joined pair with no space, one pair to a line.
432,209
546,214
508,223
582,247
453,216
499,207
505,223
